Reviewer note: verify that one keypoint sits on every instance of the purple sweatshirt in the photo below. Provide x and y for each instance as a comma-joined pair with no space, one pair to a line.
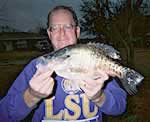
67,103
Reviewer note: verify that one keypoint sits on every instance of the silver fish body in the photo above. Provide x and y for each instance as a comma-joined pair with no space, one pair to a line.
85,61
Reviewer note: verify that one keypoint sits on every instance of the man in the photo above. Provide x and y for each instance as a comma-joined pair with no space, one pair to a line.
56,98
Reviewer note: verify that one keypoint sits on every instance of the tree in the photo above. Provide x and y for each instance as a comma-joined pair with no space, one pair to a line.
42,31
123,22
7,28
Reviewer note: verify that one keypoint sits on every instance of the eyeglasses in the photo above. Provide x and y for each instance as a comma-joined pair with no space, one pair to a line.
57,27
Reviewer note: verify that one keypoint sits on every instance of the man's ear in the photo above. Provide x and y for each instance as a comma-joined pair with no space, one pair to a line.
78,31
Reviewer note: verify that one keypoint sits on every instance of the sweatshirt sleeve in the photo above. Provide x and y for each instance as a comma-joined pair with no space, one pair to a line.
115,103
12,106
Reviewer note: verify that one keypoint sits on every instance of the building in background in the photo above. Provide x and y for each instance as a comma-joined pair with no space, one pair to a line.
23,41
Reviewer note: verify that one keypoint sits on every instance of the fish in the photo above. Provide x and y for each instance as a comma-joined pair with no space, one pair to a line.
85,61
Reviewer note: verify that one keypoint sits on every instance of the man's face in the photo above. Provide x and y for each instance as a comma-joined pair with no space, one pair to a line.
62,31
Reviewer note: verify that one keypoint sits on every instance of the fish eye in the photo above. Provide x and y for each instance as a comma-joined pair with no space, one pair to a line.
68,56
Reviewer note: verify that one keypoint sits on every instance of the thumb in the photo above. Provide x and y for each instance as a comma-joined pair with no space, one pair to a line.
43,69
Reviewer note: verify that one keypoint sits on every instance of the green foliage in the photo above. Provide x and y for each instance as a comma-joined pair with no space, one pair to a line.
123,24
111,18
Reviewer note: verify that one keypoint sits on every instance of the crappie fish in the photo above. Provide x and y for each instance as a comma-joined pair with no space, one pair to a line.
84,61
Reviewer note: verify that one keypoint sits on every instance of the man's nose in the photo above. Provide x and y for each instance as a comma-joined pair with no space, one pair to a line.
62,32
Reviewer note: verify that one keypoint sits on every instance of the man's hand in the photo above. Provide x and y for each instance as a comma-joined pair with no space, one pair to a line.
41,86
93,88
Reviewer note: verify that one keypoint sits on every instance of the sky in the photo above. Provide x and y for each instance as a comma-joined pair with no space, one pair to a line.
28,15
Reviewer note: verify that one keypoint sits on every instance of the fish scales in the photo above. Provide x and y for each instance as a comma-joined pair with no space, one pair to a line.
83,61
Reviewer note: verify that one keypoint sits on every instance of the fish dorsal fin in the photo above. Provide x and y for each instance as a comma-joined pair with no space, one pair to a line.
108,50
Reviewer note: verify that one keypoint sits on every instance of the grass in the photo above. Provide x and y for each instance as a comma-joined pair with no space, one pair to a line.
18,55
7,75
9,71
138,109
142,61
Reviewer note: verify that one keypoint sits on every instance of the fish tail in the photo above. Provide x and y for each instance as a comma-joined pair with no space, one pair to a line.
130,80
